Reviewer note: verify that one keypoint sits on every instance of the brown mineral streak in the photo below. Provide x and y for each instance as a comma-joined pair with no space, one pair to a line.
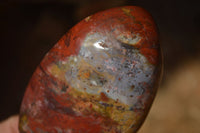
104,97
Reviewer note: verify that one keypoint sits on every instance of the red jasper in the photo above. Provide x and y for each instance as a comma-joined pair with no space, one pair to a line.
100,77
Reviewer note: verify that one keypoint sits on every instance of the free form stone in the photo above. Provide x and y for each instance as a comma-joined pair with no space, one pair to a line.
100,77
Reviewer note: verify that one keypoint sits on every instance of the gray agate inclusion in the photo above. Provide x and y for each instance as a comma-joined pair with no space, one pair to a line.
112,66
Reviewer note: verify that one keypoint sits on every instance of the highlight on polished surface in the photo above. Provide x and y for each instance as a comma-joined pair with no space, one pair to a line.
100,77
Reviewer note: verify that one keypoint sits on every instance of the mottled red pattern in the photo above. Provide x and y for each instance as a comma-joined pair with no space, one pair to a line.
45,110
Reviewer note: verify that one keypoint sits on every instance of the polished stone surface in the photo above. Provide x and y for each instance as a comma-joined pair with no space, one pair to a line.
101,77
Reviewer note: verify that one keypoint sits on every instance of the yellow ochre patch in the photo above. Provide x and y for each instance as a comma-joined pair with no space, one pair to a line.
88,18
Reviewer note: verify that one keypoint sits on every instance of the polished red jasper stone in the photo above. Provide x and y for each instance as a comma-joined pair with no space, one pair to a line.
100,77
